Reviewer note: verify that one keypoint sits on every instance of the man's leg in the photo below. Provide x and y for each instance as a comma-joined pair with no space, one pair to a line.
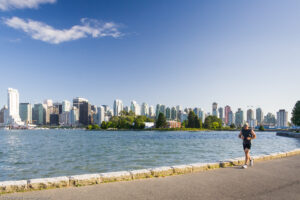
247,156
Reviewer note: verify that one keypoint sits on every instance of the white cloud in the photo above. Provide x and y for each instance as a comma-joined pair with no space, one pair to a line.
41,31
20,4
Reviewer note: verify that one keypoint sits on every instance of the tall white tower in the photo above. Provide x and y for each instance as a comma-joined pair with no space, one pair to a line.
13,106
118,107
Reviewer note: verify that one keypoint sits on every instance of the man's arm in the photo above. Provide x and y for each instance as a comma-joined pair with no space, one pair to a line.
253,134
240,135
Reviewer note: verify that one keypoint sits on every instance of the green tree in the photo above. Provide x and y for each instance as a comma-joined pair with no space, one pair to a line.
296,114
95,127
215,125
89,127
161,121
139,123
261,128
209,122
104,125
232,126
191,120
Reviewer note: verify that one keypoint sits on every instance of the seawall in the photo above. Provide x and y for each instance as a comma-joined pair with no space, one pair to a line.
100,178
288,134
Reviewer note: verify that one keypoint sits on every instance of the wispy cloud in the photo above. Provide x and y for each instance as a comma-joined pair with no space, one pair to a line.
21,4
41,31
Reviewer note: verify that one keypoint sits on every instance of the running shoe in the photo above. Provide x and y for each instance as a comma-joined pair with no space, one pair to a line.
251,163
244,166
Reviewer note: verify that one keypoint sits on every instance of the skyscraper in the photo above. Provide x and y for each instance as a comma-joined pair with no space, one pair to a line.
227,111
26,112
151,111
215,109
118,107
168,113
173,113
270,120
221,113
13,107
250,115
239,118
74,116
145,109
101,114
135,107
48,102
230,118
38,114
66,106
85,113
259,116
282,118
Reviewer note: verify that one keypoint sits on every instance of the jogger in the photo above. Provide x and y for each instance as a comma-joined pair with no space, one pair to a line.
247,135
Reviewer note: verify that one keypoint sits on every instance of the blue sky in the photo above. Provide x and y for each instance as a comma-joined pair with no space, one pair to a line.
238,53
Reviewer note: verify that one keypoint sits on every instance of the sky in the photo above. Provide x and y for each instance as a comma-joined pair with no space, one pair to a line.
175,52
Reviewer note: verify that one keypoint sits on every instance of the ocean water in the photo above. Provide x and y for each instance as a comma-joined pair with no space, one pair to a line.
26,154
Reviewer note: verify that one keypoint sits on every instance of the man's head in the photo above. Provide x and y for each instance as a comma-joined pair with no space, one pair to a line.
246,125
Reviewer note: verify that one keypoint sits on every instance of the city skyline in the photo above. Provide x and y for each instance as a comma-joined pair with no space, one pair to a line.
167,52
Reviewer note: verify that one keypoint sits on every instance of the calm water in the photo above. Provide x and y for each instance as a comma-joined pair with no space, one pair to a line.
48,153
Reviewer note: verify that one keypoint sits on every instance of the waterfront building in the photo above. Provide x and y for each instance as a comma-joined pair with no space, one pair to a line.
250,115
173,113
100,114
127,109
66,106
202,115
270,120
230,118
57,108
118,107
74,116
215,109
259,116
253,123
160,109
54,119
25,110
151,111
227,111
135,108
149,125
13,107
239,117
168,113
183,116
282,118
145,109
106,108
48,102
2,115
173,124
38,114
78,101
85,113
64,119
221,113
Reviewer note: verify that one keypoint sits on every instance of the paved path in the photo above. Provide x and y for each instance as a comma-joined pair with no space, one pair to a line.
276,179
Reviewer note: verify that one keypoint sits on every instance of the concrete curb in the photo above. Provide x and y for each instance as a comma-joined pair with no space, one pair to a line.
90,179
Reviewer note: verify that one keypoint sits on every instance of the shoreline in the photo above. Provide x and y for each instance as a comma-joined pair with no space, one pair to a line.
100,178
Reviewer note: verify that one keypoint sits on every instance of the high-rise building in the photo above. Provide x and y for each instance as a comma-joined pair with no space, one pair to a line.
100,114
74,116
135,108
85,113
239,118
26,112
270,120
227,111
168,113
54,119
66,106
202,115
173,113
57,108
151,111
126,108
48,102
221,113
118,107
250,115
78,101
230,118
145,109
259,116
13,107
64,119
2,114
38,114
282,118
215,109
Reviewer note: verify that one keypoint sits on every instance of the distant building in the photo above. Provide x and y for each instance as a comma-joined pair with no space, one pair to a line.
118,107
13,107
239,118
48,102
252,123
135,108
149,125
38,114
74,116
85,113
168,113
173,124
26,112
145,109
183,116
250,115
160,109
57,108
78,101
227,111
2,113
174,113
66,106
126,108
259,116
270,120
230,118
215,109
64,119
221,113
54,119
282,118
151,111
100,114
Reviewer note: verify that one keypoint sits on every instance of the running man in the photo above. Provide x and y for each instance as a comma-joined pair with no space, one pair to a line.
247,134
